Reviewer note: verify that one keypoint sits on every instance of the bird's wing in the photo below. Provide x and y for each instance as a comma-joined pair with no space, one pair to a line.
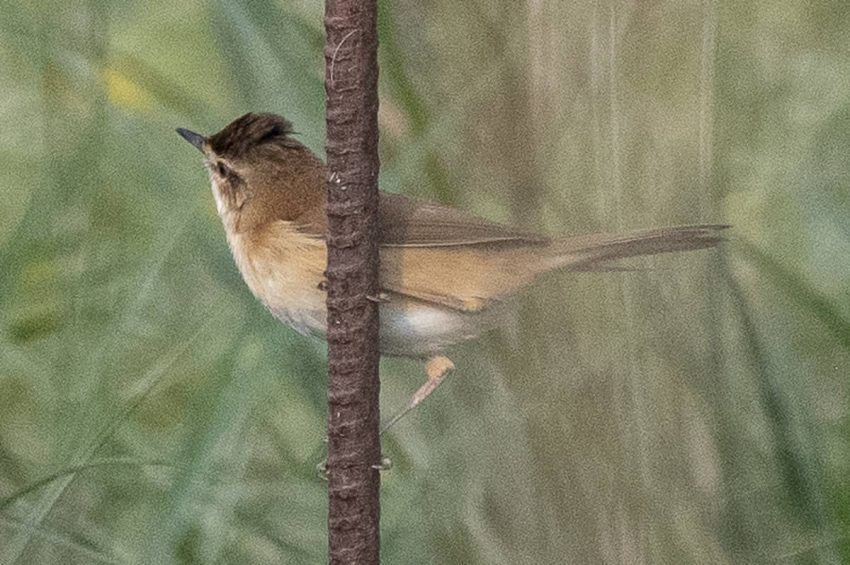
444,255
450,257
410,222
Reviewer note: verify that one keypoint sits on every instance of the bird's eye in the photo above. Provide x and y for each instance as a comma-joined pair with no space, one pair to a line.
273,132
222,169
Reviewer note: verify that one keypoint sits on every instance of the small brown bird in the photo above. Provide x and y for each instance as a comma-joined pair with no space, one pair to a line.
443,272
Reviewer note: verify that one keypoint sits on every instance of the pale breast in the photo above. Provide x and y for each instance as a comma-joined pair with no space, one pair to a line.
284,269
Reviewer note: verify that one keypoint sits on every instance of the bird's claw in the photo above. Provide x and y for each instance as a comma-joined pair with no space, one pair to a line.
385,465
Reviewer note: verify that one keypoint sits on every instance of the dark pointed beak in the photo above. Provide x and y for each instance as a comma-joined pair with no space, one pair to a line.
195,139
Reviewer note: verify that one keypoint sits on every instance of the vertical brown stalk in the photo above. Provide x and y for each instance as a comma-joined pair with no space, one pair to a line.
351,77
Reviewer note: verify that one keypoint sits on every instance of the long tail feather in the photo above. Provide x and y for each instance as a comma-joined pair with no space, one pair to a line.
594,252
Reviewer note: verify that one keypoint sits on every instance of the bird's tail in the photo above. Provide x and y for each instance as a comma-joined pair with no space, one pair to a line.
595,252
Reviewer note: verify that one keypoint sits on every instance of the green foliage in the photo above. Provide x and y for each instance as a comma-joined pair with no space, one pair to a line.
152,412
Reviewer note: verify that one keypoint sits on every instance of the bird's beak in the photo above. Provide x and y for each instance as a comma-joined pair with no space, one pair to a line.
195,139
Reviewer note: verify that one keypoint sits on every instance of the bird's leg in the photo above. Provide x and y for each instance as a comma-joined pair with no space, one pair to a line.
436,369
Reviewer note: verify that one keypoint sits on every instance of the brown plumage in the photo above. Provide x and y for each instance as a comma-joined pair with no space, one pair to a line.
444,271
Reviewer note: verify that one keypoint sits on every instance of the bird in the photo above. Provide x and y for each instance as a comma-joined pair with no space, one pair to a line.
445,274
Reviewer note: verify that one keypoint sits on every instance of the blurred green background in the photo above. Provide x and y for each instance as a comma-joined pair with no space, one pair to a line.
695,411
